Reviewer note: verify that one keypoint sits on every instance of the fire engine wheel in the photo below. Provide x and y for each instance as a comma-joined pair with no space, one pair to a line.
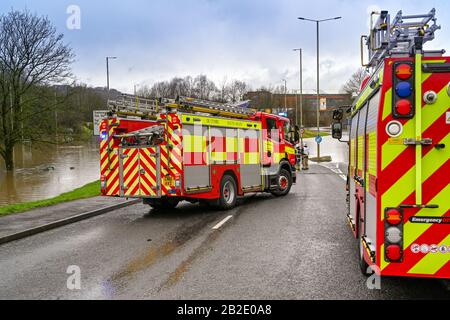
284,181
161,204
363,265
228,193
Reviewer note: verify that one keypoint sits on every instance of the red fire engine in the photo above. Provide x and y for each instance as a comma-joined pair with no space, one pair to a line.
399,171
194,150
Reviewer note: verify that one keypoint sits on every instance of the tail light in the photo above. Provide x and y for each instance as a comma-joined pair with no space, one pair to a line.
403,86
394,252
177,180
393,216
103,183
403,71
393,234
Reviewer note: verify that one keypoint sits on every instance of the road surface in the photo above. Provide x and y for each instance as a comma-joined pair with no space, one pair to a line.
297,247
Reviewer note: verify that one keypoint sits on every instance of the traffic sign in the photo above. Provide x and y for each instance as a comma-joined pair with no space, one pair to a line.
318,139
98,116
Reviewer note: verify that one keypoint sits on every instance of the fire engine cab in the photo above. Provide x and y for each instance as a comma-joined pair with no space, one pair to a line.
165,151
399,168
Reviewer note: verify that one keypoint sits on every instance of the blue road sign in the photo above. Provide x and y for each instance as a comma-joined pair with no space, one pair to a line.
318,139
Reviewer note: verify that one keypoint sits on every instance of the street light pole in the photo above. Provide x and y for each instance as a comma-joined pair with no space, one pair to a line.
107,74
301,94
318,71
285,98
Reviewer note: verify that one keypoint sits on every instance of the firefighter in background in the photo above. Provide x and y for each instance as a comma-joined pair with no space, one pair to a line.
298,148
305,157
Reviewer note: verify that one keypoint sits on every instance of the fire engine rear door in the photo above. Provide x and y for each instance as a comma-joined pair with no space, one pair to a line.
149,171
139,169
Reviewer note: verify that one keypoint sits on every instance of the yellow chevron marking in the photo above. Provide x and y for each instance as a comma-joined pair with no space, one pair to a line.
404,186
432,112
432,262
131,187
151,167
391,151
127,170
412,231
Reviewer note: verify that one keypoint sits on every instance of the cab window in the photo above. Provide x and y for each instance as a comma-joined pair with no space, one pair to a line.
271,125
287,131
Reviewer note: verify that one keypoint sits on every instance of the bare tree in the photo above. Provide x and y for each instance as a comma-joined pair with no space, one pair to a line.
236,90
352,86
32,54
203,87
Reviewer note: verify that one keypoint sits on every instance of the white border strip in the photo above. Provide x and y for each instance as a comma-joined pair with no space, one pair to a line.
221,223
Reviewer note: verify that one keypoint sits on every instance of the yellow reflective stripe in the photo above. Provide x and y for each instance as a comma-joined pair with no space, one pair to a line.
372,154
289,150
432,262
387,107
231,144
360,152
194,143
220,122
218,156
250,158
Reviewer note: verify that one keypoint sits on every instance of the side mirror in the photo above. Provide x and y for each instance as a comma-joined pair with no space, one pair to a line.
336,130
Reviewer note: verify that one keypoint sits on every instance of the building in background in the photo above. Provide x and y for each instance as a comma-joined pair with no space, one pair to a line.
275,102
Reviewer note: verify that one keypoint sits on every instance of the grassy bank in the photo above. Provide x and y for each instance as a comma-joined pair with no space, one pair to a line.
312,134
90,190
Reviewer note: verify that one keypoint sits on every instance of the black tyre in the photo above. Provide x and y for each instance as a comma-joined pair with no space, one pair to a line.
284,182
164,204
228,193
363,265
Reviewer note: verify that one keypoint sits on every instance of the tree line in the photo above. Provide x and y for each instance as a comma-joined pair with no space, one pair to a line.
199,87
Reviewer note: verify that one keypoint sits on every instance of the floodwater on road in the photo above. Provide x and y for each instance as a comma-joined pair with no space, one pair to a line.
46,171
330,147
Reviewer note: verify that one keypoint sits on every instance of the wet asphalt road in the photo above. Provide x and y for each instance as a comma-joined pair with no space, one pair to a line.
297,247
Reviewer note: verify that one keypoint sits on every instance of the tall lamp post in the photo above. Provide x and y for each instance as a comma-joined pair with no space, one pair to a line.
285,93
318,93
301,96
107,73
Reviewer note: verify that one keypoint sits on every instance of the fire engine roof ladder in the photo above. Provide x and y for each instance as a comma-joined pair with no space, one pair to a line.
129,105
221,109
400,36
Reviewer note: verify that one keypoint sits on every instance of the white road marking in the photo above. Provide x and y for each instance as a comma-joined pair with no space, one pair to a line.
221,223
337,171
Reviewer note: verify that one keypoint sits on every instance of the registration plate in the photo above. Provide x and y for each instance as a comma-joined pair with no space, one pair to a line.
168,181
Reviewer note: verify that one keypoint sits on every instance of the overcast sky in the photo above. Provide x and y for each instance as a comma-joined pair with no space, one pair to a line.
249,40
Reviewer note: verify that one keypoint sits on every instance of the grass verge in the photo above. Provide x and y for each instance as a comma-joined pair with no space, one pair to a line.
312,134
90,190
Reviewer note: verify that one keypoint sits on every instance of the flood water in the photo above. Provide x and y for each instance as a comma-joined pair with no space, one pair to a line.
48,170
330,147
